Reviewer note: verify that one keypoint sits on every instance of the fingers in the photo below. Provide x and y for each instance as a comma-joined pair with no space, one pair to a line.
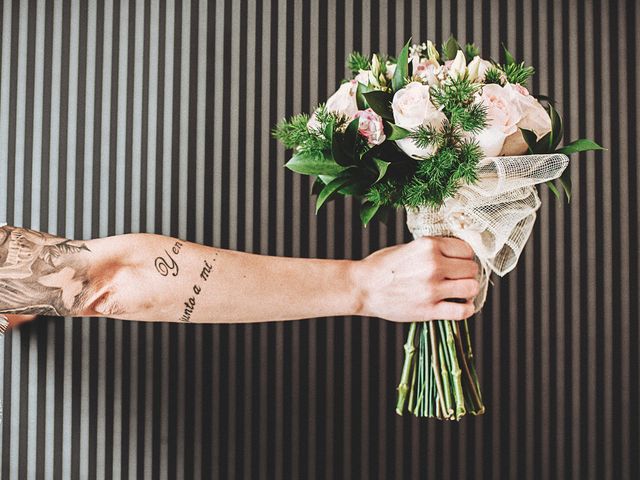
455,248
453,310
464,288
457,268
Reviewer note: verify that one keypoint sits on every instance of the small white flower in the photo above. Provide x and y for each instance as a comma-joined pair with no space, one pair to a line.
459,65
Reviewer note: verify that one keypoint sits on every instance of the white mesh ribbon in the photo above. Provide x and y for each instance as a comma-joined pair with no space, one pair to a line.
496,214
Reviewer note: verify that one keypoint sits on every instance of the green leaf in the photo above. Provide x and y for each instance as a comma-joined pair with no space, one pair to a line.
542,146
556,128
530,137
394,132
402,68
507,55
360,99
317,186
367,211
380,102
580,145
381,166
314,163
565,181
343,145
326,178
330,190
553,188
450,48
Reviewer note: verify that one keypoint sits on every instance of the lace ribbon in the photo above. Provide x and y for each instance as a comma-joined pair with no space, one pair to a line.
495,215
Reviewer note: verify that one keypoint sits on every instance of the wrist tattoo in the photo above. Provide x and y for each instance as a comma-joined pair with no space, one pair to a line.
41,274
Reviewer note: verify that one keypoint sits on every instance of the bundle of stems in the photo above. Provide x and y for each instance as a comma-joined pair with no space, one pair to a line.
440,381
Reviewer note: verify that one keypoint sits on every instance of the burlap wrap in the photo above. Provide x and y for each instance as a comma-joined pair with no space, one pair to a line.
496,214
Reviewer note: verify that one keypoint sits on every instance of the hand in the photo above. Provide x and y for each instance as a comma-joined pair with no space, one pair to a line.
412,282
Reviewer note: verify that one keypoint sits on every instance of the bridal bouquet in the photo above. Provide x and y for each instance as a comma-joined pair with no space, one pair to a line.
460,143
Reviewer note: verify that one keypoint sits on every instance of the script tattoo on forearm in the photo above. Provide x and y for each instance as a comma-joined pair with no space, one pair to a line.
167,265
41,274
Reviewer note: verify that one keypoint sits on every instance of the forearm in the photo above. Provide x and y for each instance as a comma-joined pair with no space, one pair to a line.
158,278
187,282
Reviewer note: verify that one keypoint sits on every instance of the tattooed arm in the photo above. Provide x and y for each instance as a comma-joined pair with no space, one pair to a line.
156,278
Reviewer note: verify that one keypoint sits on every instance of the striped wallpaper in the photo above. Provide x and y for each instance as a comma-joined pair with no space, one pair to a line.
154,116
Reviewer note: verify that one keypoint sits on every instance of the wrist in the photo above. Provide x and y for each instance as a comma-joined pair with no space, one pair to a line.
357,280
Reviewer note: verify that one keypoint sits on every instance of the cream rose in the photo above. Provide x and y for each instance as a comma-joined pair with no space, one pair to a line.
342,101
412,108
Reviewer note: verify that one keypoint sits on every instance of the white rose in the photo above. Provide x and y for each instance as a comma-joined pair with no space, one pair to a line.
459,65
344,100
412,107
478,68
503,115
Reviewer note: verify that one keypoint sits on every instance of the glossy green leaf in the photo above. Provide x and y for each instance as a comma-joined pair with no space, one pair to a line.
382,167
394,132
343,145
360,99
565,181
367,211
402,68
529,137
330,190
380,102
553,188
313,163
317,186
507,56
580,145
556,128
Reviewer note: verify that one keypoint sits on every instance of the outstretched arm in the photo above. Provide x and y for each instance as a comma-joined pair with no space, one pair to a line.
157,278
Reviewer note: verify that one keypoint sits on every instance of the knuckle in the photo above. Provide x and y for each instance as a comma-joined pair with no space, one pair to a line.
429,244
474,288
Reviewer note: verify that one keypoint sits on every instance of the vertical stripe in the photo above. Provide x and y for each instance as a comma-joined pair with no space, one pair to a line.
155,116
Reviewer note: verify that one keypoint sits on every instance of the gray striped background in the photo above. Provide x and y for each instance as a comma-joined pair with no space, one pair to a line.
124,116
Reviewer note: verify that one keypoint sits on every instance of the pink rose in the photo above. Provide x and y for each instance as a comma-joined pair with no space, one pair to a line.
503,115
534,118
371,127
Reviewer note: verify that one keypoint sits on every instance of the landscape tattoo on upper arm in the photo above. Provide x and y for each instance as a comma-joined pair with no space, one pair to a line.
41,274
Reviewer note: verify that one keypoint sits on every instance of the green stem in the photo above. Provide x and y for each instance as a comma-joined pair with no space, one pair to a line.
426,373
420,400
436,368
476,401
412,391
472,366
456,373
403,388
448,411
